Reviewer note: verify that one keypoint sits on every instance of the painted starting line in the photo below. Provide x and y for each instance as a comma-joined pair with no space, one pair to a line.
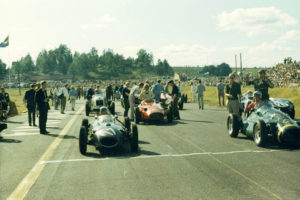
157,156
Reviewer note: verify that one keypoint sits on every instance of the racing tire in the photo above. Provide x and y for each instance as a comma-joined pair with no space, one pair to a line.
87,109
134,140
260,135
138,116
169,115
127,123
180,105
112,108
233,125
85,123
82,140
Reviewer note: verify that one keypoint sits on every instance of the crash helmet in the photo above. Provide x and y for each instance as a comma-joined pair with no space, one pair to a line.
103,110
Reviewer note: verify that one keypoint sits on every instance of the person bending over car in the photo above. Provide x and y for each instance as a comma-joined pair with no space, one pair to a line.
134,90
257,97
173,91
146,93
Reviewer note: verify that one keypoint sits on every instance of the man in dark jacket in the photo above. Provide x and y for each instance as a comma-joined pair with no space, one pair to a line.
42,101
109,92
173,91
29,98
90,92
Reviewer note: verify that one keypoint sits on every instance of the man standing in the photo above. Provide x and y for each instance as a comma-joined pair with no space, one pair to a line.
64,94
194,91
73,95
29,99
200,90
233,94
173,91
42,101
157,90
125,94
4,101
262,84
134,90
220,87
56,93
90,92
109,92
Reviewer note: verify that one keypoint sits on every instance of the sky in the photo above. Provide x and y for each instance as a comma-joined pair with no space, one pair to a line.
185,32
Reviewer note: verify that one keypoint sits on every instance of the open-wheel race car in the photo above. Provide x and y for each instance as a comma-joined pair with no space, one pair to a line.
107,132
284,105
265,122
98,100
149,110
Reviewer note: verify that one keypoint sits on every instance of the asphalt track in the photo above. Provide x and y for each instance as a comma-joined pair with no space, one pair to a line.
193,158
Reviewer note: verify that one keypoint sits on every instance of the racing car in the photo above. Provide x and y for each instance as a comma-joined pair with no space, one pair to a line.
107,132
283,105
98,100
149,110
263,122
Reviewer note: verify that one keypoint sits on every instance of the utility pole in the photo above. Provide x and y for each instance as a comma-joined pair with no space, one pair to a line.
241,65
235,63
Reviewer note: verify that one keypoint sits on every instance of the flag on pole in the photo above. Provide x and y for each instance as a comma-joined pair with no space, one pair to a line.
5,43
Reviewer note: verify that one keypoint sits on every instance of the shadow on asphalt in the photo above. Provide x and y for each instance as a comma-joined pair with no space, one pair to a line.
10,140
271,144
143,142
14,122
202,121
162,123
62,136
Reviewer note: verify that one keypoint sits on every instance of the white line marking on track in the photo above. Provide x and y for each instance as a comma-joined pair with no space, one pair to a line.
25,185
158,156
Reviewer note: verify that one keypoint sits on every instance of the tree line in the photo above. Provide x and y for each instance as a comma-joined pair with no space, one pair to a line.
91,65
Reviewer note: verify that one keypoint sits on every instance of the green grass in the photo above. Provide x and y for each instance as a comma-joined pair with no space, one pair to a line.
211,95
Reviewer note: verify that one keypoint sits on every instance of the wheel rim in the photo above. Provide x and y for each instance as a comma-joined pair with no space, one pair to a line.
257,137
230,125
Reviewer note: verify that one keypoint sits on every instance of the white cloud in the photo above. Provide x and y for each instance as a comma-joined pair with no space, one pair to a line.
101,23
254,20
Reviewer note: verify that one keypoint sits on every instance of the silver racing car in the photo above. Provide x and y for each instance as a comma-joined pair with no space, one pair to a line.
107,132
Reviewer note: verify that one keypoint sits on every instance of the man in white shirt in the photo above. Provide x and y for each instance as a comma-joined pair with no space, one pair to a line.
135,90
194,91
64,94
56,93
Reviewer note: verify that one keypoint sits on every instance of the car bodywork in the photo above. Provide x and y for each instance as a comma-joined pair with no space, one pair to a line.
284,105
149,110
264,121
107,132
98,100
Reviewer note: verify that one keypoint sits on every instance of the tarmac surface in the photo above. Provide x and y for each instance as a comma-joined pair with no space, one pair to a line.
192,158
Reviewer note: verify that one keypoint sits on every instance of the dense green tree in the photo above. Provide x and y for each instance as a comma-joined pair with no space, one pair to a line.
46,62
3,70
144,60
63,59
223,70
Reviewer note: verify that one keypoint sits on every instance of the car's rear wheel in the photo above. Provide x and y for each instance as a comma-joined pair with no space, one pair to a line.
85,123
82,140
127,123
134,140
112,108
169,115
87,109
233,125
260,135
137,118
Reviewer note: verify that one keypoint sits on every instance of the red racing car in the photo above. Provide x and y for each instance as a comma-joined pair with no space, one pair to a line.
149,110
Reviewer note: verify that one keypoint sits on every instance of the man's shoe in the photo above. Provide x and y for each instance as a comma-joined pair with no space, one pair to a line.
29,124
34,125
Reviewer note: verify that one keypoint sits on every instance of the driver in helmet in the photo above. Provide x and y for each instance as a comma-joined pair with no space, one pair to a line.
103,111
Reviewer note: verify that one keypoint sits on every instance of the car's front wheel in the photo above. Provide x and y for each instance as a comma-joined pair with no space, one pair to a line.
260,135
233,125
82,140
169,115
87,109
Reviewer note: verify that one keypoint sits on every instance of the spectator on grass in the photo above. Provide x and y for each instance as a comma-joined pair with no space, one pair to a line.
200,90
220,87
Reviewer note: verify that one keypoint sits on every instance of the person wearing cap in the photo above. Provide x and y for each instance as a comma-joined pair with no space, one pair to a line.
233,94
42,101
262,84
4,101
173,91
29,99
135,90
157,90
257,96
